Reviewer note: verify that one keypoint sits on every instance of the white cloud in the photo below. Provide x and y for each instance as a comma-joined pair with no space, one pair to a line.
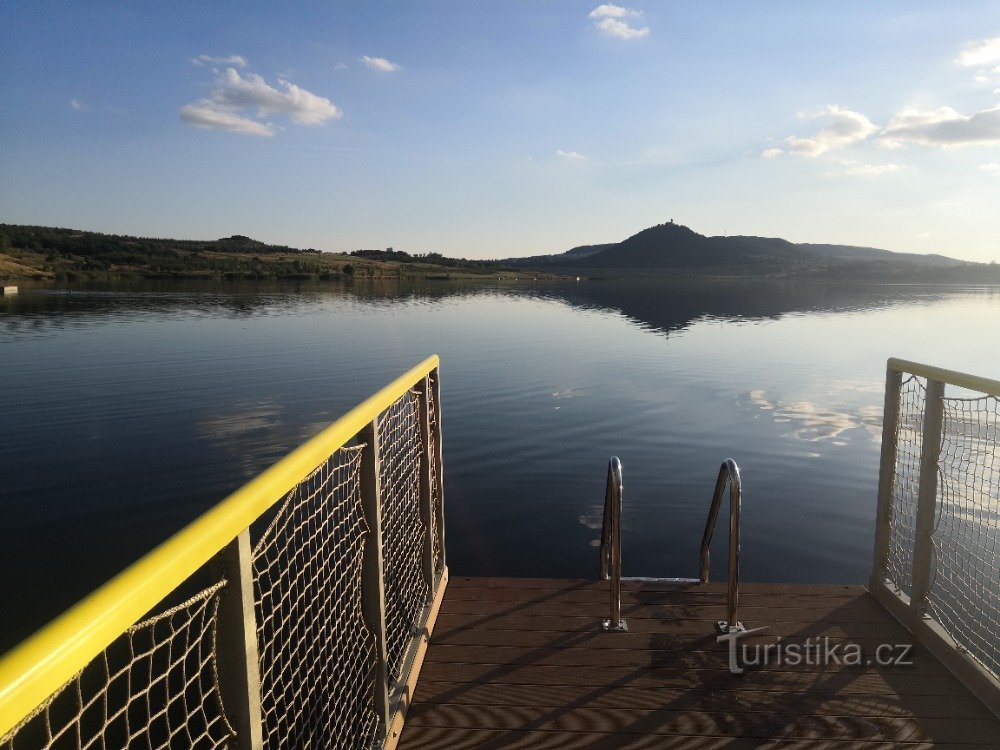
612,11
76,104
621,30
855,169
844,127
609,20
942,127
992,169
980,54
237,61
236,91
570,155
380,64
207,114
234,94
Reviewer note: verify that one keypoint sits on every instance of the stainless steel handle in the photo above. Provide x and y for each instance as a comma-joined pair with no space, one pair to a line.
729,473
611,544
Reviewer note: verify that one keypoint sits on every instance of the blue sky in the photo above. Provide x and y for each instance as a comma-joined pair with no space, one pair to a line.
490,129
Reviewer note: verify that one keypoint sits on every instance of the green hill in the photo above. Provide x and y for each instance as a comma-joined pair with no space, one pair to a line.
31,252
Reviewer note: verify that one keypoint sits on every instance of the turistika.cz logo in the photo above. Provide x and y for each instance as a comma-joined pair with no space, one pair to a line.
817,652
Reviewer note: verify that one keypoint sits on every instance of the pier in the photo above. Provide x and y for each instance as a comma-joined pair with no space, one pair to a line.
314,607
524,663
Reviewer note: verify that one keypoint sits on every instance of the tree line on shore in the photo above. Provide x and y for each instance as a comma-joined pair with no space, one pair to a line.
69,254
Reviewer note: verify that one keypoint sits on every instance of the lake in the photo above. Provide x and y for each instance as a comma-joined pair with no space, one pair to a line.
128,409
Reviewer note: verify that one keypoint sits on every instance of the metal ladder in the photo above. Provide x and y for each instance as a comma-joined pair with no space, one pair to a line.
611,544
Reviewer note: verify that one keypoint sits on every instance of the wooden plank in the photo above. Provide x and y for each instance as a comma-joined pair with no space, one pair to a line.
857,611
460,738
457,738
450,622
795,589
858,704
852,682
886,474
595,638
238,660
373,574
930,451
734,723
435,383
599,596
709,658
426,491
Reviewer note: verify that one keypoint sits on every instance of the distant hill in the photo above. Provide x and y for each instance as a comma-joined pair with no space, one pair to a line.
32,252
674,248
669,249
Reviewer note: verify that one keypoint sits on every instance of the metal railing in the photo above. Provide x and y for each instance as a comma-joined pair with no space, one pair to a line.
325,575
729,473
611,545
936,563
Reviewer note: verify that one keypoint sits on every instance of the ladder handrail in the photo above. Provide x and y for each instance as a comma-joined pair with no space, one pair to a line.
729,473
611,543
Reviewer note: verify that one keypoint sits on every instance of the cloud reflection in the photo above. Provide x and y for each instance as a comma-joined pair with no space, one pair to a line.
814,423
258,434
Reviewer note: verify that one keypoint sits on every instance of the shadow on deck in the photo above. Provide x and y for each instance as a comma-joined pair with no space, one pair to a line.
523,663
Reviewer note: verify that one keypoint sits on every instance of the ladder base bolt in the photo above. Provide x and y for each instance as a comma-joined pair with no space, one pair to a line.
621,627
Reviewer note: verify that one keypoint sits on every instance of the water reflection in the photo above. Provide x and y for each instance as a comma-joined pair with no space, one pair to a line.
817,423
255,435
662,305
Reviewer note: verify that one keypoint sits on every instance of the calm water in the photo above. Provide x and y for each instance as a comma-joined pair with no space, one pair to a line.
128,410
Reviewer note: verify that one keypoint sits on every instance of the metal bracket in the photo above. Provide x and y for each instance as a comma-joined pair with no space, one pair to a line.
723,627
608,627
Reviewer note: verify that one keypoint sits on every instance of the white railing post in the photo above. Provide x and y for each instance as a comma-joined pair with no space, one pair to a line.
237,658
886,475
372,575
923,552
435,383
426,494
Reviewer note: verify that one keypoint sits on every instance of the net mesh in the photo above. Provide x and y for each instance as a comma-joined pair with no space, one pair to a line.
964,595
402,528
155,687
436,489
317,657
903,510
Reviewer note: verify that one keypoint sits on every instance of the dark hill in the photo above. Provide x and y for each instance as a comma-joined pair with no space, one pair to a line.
676,246
671,247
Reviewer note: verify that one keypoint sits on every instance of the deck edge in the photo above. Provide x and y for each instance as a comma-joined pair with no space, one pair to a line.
983,686
402,697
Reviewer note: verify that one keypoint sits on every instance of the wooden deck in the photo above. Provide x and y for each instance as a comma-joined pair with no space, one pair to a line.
523,663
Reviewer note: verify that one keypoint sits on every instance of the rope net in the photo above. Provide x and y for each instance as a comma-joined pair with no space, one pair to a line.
964,594
155,687
317,657
436,489
903,510
402,528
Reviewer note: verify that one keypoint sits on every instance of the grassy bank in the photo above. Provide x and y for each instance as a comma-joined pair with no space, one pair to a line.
46,253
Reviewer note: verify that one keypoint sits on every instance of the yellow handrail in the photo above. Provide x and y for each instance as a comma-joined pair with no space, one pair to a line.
952,377
39,666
